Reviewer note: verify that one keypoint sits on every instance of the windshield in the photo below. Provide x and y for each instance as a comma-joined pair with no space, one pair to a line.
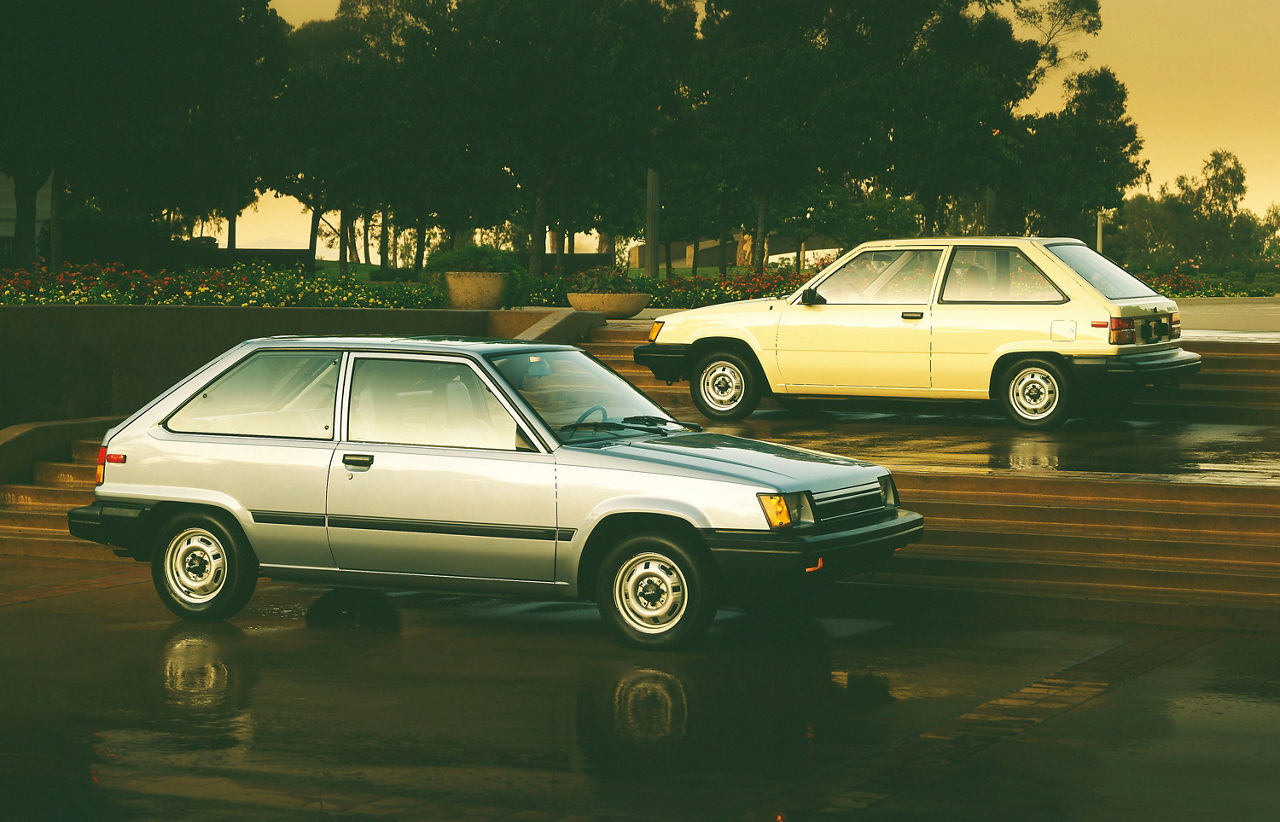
1110,279
580,399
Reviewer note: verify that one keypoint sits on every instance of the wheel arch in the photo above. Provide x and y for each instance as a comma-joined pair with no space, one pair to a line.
735,345
613,527
1006,360
162,512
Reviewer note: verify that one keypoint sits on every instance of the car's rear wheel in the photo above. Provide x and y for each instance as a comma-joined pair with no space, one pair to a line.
1035,394
655,592
725,386
202,568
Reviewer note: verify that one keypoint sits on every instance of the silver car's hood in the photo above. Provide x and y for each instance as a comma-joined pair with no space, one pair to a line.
737,459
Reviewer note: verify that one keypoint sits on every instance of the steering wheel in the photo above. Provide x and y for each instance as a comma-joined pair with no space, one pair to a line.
603,414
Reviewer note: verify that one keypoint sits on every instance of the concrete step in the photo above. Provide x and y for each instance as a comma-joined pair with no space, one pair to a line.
85,451
41,518
66,474
1248,528
1000,484
962,536
44,495
22,542
1243,579
633,333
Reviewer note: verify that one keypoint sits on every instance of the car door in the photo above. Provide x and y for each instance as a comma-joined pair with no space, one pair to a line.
992,299
869,329
436,475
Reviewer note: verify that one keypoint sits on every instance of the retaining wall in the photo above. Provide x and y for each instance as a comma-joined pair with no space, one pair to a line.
66,362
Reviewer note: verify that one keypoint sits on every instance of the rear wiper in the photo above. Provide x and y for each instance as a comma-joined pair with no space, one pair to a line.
602,425
651,420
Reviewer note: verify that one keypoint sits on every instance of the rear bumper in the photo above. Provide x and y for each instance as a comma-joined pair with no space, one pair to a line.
110,523
667,362
1165,366
745,557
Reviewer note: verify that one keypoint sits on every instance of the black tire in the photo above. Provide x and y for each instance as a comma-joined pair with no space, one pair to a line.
1035,394
202,568
725,386
655,592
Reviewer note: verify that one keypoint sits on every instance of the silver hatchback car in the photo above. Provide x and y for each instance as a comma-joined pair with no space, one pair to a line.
481,466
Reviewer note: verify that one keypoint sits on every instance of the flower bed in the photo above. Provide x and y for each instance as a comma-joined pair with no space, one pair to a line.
237,285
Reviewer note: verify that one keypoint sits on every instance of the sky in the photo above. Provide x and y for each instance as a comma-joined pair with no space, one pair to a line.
1201,74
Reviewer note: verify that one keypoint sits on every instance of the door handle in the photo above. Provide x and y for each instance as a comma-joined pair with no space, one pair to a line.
913,315
357,460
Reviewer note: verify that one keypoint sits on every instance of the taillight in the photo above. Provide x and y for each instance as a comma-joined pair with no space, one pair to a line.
1175,326
103,459
1122,332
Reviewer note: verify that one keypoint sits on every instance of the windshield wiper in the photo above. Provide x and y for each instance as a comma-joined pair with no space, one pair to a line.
652,420
629,424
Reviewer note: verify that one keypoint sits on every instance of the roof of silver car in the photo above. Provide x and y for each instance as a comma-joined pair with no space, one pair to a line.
437,344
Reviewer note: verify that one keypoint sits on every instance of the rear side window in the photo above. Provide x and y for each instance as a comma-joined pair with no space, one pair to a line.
1112,281
996,275
269,394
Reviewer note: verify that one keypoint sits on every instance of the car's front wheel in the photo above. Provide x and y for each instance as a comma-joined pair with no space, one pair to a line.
655,592
1035,394
724,386
202,568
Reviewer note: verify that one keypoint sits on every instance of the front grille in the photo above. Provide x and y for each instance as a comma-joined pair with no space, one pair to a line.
846,503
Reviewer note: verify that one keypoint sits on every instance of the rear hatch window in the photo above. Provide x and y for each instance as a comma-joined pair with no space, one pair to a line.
1111,281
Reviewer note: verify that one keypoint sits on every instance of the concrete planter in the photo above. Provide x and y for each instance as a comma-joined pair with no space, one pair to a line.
613,306
480,290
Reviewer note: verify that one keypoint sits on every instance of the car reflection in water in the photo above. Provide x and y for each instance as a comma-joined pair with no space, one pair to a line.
354,705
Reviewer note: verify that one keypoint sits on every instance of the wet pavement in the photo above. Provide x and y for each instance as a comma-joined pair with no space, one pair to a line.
952,436
316,704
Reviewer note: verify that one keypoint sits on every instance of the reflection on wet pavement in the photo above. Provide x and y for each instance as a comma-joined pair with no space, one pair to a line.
1178,451
431,707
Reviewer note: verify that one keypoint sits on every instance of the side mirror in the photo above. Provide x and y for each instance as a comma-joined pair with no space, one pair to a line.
810,296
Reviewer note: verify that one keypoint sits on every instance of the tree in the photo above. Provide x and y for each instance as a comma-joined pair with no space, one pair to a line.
1075,162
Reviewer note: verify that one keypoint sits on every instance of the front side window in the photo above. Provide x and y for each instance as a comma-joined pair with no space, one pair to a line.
996,275
269,394
578,397
880,277
427,402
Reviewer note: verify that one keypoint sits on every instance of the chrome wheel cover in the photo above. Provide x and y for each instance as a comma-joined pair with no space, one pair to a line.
195,566
1034,393
650,593
722,385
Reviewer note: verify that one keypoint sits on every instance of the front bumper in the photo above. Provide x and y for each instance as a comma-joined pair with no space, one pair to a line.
746,556
1167,365
666,361
110,523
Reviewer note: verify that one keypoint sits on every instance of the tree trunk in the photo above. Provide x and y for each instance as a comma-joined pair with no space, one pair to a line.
231,230
313,241
694,266
395,246
420,252
382,245
605,244
55,223
758,241
364,222
538,231
343,226
722,252
800,257
669,246
25,188
570,238
652,229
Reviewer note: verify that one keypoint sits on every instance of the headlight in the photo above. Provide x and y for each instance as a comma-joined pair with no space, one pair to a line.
888,492
786,510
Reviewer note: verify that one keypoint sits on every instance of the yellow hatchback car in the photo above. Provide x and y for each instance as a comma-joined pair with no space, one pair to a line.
1043,326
